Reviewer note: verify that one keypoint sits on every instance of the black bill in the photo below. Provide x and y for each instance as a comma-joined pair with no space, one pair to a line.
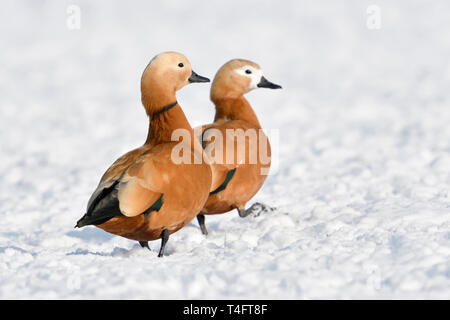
264,83
196,78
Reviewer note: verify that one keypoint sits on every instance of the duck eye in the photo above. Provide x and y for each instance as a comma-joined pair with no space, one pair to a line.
248,71
181,65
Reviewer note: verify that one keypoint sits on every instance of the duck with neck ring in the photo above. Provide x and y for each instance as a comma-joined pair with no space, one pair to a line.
144,195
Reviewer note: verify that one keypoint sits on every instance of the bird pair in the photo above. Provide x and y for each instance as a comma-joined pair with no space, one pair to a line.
145,195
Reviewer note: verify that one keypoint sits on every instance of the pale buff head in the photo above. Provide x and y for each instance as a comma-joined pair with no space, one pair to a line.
166,73
237,77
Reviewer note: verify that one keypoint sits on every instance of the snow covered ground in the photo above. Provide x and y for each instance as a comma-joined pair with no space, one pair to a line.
362,192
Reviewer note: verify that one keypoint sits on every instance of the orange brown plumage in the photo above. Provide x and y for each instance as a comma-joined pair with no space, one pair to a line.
144,195
234,112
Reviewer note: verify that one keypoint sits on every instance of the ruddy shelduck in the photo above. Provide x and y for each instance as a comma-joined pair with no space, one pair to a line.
241,177
144,195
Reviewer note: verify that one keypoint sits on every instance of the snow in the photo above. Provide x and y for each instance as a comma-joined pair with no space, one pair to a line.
362,190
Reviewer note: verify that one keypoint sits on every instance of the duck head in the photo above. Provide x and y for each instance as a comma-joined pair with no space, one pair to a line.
237,77
166,73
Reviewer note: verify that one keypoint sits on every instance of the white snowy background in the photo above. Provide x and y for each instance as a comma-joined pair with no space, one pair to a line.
362,192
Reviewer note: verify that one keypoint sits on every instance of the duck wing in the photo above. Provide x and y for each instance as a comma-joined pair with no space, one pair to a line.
121,193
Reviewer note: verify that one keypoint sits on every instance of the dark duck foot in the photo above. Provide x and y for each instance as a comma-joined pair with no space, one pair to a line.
144,244
255,210
164,238
201,222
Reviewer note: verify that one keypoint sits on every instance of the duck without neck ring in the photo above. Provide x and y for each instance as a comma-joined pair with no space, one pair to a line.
241,180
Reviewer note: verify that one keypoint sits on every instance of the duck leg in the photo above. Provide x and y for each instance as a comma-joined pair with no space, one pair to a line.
201,222
255,209
164,238
144,244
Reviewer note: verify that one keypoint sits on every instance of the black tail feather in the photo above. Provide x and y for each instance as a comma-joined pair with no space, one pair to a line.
92,220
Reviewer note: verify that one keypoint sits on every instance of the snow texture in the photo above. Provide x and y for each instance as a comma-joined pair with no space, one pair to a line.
362,190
